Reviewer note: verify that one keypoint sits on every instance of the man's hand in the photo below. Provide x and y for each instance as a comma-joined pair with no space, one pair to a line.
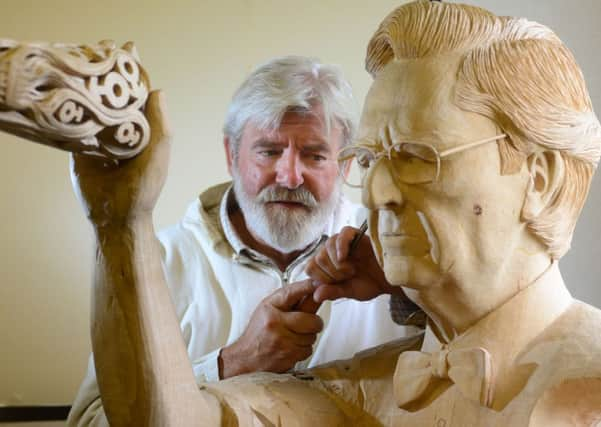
338,274
278,334
119,192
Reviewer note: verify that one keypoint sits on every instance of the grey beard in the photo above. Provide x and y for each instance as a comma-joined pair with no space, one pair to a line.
282,229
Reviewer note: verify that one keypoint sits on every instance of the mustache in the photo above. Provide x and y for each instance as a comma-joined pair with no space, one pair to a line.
282,194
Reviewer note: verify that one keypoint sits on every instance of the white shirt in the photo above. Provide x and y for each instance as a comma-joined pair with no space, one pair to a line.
216,283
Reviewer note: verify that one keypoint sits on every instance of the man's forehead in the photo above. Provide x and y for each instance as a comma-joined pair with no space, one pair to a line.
298,116
256,138
303,125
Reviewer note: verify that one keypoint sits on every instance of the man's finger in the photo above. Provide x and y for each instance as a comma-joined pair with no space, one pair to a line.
343,242
302,340
330,248
329,292
302,323
315,272
322,270
324,262
308,305
286,298
302,352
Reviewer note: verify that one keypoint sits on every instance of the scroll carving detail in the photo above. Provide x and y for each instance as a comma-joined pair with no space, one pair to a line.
81,98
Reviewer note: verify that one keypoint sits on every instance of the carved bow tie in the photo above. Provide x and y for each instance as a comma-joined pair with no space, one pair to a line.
470,369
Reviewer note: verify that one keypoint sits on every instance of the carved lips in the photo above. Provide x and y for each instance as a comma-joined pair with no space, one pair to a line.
398,241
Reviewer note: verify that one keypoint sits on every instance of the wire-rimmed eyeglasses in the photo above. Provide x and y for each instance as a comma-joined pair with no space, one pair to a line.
412,162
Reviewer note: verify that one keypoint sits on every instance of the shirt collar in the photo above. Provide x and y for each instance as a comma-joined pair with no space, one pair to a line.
508,332
226,223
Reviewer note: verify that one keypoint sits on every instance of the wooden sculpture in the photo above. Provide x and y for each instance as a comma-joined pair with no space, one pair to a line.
478,143
86,99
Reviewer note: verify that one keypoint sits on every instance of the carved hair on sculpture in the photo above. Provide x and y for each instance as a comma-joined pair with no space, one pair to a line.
520,75
82,98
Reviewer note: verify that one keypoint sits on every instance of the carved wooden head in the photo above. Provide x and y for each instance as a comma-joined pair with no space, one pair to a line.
515,72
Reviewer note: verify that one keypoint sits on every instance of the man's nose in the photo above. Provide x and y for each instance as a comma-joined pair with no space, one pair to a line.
380,188
290,170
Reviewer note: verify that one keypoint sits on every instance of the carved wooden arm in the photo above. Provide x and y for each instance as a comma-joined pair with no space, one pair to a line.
86,99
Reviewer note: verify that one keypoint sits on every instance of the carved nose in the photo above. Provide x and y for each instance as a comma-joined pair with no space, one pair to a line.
380,189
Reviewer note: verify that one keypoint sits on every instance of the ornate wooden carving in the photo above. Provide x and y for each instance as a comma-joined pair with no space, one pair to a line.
82,98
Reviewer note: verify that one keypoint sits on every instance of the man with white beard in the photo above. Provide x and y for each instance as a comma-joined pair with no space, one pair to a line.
235,263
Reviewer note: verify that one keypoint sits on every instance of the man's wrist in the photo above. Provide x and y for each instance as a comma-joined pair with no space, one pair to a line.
220,364
226,364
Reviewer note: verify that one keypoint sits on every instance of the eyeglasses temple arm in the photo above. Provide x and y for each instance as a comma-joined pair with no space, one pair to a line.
454,150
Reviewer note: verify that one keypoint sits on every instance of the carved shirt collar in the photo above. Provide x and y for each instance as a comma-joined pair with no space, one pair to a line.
507,332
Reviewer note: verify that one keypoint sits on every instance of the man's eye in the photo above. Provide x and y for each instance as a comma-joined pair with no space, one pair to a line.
315,156
269,153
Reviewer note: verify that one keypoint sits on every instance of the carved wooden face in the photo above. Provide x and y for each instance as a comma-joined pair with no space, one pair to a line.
463,227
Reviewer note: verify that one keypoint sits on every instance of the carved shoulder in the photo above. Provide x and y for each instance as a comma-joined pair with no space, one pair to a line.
574,402
571,387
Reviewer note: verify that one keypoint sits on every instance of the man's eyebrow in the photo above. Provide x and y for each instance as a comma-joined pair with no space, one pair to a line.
266,143
318,146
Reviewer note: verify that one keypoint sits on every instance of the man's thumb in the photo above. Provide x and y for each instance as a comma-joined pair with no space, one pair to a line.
287,298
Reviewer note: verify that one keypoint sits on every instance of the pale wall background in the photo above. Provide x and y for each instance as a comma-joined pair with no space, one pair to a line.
198,52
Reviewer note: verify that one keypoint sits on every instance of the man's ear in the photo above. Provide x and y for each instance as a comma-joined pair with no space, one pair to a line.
546,171
229,153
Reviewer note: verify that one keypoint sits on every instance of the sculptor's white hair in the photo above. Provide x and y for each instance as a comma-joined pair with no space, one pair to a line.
290,83
520,75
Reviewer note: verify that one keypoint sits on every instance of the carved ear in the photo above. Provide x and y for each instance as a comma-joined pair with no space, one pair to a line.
546,175
229,154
